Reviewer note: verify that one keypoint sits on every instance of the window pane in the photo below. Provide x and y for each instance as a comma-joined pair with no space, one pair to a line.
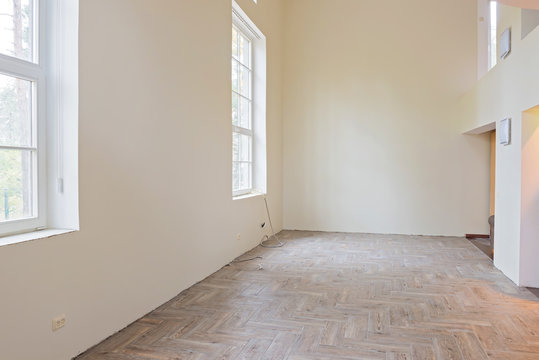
245,51
245,148
241,112
235,110
245,176
234,43
493,46
16,184
241,147
235,75
235,176
245,82
17,28
245,113
235,147
15,111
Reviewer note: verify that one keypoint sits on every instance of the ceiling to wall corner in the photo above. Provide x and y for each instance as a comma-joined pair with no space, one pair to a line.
530,20
525,4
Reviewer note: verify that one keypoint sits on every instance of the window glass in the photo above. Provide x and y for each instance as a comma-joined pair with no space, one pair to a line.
18,116
493,34
235,75
17,153
245,113
244,51
242,136
16,184
17,28
15,111
245,82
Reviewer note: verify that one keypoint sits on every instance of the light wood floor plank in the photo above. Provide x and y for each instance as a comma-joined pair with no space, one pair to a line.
340,296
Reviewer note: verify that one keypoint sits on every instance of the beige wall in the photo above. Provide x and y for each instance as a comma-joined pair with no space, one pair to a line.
156,212
369,143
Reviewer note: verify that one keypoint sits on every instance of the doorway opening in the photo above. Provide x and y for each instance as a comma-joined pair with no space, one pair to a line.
485,242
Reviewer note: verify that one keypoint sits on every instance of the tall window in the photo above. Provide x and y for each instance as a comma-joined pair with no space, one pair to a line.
21,111
493,33
242,124
248,106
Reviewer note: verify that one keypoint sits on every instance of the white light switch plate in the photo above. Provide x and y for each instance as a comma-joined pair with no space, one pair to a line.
505,131
505,43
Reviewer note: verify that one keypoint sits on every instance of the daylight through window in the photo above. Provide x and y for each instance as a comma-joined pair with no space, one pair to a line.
242,125
493,34
21,80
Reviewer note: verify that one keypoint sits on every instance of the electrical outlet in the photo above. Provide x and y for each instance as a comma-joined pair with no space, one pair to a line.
239,237
58,322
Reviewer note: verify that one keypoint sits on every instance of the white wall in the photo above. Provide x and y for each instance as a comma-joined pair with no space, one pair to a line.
62,114
156,211
507,200
368,141
529,239
507,90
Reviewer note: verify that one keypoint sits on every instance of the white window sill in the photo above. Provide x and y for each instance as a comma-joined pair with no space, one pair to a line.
247,196
34,235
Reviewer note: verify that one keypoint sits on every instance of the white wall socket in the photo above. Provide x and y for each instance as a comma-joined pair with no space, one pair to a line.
239,236
58,322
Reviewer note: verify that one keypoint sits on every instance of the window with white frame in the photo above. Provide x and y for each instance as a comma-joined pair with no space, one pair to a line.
38,117
22,86
242,125
248,74
492,34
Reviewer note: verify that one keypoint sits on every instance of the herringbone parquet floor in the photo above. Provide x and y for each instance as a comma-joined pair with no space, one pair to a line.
342,296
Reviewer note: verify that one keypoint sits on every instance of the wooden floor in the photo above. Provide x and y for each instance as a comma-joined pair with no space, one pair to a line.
484,246
342,296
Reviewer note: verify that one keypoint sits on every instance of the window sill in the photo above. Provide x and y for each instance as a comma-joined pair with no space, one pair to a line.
34,235
247,196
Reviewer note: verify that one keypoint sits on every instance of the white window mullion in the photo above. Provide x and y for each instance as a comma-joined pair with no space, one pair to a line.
242,131
244,66
242,96
24,148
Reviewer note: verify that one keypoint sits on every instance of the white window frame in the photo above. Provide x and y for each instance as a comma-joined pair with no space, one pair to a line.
257,131
239,130
36,73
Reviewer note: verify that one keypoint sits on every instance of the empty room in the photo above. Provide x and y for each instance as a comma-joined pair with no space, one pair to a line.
269,179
